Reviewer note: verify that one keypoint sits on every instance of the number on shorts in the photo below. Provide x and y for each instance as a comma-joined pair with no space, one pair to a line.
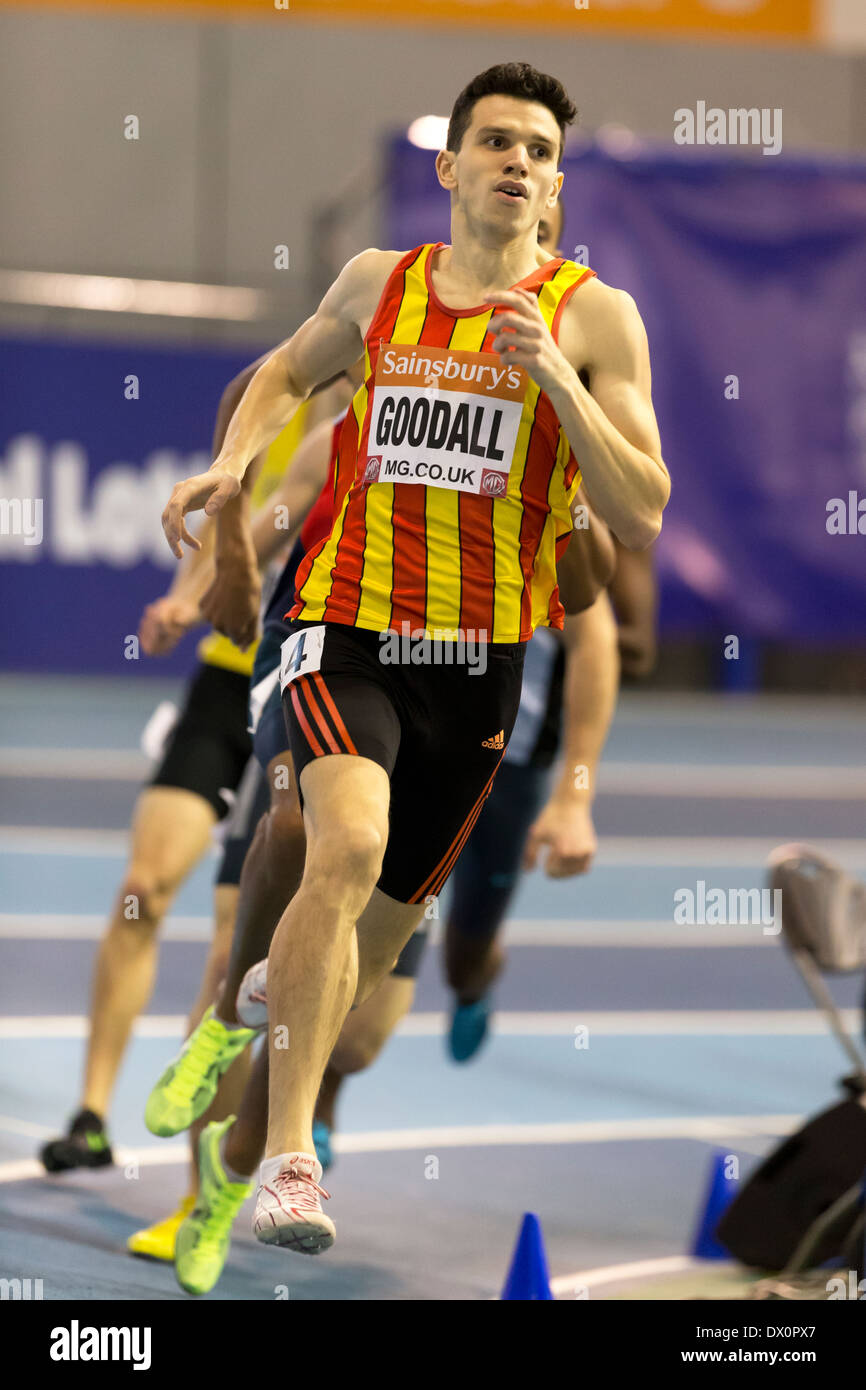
301,653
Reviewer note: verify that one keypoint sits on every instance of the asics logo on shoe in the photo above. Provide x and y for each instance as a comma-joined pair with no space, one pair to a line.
497,741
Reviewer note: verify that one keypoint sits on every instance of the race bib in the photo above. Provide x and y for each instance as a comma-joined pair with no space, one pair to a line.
444,418
301,653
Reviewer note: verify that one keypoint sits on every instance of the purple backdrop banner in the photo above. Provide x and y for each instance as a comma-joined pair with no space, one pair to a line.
750,275
93,439
751,278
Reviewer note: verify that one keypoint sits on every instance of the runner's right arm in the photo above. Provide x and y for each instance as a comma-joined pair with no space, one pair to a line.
329,342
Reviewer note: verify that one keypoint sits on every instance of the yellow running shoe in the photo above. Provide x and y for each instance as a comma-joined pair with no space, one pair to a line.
157,1242
203,1239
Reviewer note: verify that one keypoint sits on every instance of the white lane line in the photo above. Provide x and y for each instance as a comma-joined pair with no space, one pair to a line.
812,714
723,1129
612,1023
75,764
723,781
85,926
19,1169
625,1023
10,1125
44,839
615,851
89,926
566,1284
715,1128
697,851
77,1026
714,780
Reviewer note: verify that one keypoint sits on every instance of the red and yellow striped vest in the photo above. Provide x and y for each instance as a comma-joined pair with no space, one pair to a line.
477,551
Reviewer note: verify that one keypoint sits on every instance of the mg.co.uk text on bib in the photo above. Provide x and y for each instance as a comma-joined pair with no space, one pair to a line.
445,419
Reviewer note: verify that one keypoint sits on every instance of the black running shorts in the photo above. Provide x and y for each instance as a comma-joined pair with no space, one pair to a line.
209,746
437,725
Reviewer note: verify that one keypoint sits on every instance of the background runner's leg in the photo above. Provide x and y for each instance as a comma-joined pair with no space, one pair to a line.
232,1086
362,1038
270,876
171,830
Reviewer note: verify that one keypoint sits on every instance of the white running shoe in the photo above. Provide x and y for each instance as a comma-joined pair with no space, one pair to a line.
252,1000
288,1210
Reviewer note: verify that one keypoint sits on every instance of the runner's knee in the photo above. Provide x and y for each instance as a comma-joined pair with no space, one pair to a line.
144,897
358,1052
349,854
284,824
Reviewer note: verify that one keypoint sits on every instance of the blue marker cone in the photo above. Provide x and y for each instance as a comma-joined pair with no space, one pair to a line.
720,1192
528,1277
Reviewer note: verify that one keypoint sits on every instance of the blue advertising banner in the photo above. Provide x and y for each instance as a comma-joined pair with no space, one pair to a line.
92,440
750,275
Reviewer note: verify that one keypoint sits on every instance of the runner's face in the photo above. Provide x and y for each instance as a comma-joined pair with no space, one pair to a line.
512,142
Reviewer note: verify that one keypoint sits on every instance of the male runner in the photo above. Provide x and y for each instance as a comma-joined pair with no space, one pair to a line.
229,1152
457,544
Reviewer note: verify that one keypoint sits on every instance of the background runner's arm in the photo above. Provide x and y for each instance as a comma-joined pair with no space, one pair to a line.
237,552
564,825
169,618
635,600
588,563
279,521
589,695
328,343
165,621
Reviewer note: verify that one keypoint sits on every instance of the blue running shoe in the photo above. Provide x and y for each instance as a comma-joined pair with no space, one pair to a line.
322,1142
469,1027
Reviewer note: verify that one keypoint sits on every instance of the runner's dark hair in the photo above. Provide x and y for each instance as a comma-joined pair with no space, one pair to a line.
511,80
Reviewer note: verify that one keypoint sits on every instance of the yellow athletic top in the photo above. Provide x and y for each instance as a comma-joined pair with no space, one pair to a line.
455,478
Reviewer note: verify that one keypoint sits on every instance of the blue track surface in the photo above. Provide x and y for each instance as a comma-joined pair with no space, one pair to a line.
604,1195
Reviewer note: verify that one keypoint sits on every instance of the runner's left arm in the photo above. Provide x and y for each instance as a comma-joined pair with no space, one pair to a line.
611,427
564,825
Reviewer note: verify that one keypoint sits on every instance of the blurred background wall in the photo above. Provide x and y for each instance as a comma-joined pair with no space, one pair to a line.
250,130
256,127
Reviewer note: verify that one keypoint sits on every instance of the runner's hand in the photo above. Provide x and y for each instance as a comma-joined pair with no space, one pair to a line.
165,622
564,827
208,491
232,602
522,338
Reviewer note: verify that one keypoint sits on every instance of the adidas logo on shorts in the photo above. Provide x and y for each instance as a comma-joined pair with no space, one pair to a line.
497,741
